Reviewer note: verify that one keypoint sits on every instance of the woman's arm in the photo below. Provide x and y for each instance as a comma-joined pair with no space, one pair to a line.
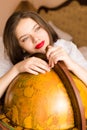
31,65
72,50
6,79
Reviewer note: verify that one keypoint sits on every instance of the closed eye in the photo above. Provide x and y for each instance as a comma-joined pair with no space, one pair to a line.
24,39
37,28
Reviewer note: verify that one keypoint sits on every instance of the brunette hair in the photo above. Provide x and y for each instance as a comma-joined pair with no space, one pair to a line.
13,49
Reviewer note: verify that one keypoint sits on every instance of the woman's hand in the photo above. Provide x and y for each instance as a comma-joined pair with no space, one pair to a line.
55,54
32,65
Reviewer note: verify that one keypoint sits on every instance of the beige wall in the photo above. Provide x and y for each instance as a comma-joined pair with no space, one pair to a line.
6,8
51,3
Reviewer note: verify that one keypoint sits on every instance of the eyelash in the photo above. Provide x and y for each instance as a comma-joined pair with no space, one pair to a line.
24,39
37,28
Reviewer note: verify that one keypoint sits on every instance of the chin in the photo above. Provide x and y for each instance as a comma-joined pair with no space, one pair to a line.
42,50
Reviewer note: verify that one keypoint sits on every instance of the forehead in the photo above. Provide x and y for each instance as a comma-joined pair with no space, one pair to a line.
24,25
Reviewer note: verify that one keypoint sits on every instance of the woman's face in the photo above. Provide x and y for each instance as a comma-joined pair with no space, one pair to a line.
31,36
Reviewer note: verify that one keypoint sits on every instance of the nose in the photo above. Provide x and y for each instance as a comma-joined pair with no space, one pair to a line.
35,38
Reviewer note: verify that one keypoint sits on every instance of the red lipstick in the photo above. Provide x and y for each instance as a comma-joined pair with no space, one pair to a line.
38,46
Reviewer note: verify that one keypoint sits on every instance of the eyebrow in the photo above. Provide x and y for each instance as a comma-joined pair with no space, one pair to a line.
26,34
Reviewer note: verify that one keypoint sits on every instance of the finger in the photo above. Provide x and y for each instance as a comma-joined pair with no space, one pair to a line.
38,69
50,49
42,64
40,61
51,62
32,72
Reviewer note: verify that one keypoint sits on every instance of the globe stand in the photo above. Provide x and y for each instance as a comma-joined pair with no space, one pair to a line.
79,114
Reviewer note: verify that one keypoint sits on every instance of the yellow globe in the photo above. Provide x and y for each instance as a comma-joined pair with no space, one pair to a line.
41,102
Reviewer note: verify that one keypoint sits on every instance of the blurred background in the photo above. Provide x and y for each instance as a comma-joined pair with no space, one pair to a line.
68,17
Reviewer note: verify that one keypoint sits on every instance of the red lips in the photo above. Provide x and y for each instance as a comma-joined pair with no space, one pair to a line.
38,46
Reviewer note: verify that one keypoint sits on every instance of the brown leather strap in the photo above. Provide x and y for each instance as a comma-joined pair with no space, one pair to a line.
79,114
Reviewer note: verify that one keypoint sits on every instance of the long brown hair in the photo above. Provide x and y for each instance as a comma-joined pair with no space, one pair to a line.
14,51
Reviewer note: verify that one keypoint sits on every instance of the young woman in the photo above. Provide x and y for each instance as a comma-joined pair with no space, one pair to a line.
27,33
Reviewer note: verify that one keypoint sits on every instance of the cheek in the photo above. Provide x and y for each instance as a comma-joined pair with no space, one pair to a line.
45,36
26,46
29,48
